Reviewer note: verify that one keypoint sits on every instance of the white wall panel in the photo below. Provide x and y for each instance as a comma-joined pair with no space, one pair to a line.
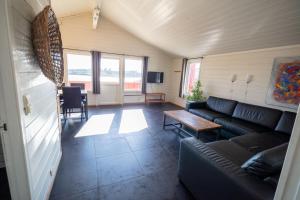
217,70
196,27
40,127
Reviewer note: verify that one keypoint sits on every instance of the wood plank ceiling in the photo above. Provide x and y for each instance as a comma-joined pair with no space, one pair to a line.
200,27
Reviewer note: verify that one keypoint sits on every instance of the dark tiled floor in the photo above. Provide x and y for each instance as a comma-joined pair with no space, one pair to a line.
105,159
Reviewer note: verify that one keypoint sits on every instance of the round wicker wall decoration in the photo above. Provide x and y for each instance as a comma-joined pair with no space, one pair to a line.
47,45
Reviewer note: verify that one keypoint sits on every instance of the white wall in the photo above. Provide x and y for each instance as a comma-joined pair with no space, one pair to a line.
77,33
217,70
41,134
288,185
176,76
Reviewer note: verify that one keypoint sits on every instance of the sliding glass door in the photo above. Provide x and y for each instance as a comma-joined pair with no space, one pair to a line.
111,79
133,73
120,76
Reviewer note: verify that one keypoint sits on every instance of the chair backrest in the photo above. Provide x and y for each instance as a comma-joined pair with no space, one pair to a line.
72,97
81,85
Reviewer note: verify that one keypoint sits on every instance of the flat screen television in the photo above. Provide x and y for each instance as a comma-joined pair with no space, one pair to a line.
155,77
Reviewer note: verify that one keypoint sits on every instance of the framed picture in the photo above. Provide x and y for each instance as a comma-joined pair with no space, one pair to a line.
284,87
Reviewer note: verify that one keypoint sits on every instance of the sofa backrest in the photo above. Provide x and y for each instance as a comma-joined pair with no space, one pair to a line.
263,116
221,105
286,122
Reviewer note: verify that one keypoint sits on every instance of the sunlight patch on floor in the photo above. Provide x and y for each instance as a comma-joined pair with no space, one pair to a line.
132,121
96,125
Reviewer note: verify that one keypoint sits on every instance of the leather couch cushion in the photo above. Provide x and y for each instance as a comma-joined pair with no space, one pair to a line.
195,105
224,106
256,114
273,180
240,127
286,122
207,114
266,163
209,175
258,142
231,151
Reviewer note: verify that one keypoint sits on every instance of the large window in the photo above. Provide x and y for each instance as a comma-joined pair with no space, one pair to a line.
110,70
191,76
79,69
133,73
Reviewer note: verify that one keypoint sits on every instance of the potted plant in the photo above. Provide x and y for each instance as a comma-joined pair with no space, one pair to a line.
196,94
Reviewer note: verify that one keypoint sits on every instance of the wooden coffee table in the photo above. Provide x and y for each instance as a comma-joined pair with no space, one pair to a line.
194,122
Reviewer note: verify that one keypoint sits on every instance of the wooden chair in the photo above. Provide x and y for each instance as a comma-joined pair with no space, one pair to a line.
73,101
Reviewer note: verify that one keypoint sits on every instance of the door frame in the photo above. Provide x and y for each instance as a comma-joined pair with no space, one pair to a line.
123,71
189,62
288,184
10,112
119,86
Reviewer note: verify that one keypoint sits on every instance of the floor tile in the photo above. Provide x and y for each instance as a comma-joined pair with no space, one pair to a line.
162,185
92,194
78,150
111,147
154,159
142,141
113,169
75,178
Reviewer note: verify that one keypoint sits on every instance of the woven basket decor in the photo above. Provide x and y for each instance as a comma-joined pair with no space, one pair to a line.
47,45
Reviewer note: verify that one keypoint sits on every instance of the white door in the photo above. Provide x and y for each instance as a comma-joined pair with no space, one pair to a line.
2,128
111,79
133,75
11,139
4,139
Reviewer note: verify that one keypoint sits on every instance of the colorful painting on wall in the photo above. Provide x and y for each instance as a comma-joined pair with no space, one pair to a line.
284,87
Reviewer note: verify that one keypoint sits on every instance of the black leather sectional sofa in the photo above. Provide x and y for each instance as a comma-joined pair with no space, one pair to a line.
247,164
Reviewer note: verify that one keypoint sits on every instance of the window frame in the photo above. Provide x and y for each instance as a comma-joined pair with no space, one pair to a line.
186,76
142,66
66,69
115,57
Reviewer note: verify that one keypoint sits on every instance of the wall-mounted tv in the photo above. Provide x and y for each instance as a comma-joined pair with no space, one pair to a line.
155,77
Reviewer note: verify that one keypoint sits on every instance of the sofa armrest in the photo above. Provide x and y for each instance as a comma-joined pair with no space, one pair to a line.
195,105
209,175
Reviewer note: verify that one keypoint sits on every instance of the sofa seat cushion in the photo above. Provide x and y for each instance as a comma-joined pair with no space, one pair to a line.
258,142
207,114
231,151
240,127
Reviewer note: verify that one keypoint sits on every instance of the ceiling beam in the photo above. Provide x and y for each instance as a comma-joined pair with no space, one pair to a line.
96,16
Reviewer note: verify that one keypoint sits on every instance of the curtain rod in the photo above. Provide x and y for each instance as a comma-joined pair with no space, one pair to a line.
119,54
